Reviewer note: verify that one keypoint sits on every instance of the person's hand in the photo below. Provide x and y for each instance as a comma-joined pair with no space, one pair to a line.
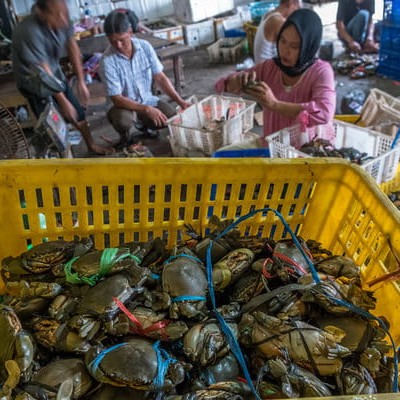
158,117
83,93
240,81
262,94
355,46
370,46
99,149
184,104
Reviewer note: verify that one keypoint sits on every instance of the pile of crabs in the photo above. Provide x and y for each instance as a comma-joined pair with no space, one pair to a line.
144,322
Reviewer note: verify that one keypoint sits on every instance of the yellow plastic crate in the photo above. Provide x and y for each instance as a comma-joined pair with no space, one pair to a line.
392,185
251,29
120,200
350,118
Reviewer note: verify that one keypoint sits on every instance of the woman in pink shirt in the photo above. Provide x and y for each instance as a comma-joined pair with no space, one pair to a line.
296,86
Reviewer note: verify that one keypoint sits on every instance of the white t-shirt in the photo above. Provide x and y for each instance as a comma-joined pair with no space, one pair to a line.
263,48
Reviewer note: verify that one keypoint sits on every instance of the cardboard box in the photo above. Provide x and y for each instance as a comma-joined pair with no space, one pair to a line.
199,34
223,24
166,29
196,10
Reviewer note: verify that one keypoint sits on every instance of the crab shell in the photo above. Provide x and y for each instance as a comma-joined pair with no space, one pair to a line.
107,392
302,341
133,364
185,277
99,301
204,343
45,256
89,264
56,372
15,344
231,267
225,369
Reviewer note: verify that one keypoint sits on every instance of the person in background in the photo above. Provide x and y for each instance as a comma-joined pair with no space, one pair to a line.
129,66
39,42
294,87
135,22
267,31
355,26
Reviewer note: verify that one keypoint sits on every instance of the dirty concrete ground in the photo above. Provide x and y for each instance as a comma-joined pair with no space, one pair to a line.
200,77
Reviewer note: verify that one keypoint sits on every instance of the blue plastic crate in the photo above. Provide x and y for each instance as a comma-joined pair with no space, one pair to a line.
242,153
390,37
391,11
235,33
389,62
258,9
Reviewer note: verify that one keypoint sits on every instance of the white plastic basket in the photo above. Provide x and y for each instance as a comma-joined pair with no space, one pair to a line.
380,107
190,129
226,50
383,167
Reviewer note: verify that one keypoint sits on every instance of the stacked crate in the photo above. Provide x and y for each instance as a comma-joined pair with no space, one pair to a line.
389,55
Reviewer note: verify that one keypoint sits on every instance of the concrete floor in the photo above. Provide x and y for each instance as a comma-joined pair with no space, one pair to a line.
200,77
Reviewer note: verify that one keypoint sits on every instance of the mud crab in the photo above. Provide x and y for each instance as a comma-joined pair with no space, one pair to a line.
44,257
137,363
294,380
308,346
184,279
16,351
204,343
52,375
228,270
97,305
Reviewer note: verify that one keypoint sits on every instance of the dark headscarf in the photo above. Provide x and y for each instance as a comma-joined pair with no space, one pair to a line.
309,27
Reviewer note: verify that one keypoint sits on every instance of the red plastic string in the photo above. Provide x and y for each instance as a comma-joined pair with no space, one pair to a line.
288,260
160,325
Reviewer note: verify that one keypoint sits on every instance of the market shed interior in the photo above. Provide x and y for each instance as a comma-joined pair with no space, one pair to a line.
197,73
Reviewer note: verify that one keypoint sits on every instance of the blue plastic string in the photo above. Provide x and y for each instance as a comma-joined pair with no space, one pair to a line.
232,341
163,362
94,365
172,258
382,324
187,298
395,140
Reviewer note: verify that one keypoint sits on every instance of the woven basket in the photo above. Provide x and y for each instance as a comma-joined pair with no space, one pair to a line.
380,108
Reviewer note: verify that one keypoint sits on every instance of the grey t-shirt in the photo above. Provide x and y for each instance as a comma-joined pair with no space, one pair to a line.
34,43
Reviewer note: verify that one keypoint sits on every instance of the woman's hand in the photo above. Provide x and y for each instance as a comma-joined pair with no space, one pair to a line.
262,94
158,117
240,81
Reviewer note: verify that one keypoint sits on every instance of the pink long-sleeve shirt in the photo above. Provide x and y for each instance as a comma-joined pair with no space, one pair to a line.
315,91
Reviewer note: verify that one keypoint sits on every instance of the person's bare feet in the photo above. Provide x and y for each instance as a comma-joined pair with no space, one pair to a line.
370,47
102,150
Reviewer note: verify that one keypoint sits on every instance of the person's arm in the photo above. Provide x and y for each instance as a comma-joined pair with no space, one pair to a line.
272,27
74,55
371,27
343,34
320,109
120,101
166,86
153,113
341,27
